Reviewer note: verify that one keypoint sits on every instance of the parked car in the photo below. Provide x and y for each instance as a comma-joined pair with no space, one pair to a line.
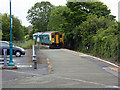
16,50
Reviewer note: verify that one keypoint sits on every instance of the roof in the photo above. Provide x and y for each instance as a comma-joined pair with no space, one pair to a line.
4,42
49,32
43,33
38,33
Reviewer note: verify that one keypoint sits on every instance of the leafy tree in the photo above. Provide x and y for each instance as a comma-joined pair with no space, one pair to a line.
0,34
106,42
88,29
0,26
17,30
26,31
79,12
31,34
39,14
5,27
98,36
56,18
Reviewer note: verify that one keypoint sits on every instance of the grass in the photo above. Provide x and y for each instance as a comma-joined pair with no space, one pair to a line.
25,45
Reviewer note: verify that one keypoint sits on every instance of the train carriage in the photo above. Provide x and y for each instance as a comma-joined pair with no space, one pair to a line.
53,39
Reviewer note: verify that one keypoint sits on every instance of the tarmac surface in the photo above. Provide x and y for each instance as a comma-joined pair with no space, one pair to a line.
59,68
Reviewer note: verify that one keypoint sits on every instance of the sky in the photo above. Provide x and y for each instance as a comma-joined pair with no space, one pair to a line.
20,7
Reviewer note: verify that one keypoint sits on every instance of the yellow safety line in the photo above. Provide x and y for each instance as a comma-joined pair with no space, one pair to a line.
49,65
115,69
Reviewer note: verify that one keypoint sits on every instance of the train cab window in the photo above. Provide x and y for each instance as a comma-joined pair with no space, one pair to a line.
52,36
48,37
60,36
42,37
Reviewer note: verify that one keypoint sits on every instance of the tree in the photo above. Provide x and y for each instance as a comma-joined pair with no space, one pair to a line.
5,27
56,18
26,31
85,32
39,14
79,11
0,34
106,42
17,30
0,26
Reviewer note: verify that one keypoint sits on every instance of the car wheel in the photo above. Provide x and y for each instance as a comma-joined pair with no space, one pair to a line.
18,54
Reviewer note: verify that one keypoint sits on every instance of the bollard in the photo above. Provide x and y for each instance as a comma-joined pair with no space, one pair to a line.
34,57
35,64
5,57
35,61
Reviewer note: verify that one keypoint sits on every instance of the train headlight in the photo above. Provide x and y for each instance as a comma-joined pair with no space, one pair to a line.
53,41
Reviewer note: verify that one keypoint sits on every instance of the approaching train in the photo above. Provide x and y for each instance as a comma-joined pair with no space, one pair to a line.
53,38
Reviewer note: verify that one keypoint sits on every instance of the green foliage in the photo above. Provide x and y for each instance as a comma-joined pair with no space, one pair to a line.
106,42
39,14
5,27
17,30
27,37
31,34
0,34
0,26
88,27
56,18
26,31
80,12
25,45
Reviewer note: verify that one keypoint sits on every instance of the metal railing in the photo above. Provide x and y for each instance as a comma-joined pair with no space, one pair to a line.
34,57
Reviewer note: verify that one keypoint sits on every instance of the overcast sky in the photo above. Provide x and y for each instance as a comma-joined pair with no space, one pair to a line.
20,7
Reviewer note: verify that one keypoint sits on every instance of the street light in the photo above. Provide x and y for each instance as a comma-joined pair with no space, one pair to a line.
11,63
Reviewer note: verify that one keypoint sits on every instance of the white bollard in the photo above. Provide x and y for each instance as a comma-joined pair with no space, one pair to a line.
5,57
34,57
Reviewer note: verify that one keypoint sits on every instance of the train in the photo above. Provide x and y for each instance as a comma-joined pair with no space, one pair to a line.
52,38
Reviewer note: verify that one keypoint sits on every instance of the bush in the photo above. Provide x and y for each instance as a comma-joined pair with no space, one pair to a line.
25,45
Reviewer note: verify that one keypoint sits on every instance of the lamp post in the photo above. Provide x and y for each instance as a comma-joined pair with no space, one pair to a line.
11,63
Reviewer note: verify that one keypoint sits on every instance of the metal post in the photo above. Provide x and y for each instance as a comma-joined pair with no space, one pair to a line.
34,57
35,64
11,45
38,46
38,40
5,57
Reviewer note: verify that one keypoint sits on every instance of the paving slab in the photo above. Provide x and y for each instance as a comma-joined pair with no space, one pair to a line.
68,70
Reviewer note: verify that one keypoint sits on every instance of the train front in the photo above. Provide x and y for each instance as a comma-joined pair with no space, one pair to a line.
57,39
